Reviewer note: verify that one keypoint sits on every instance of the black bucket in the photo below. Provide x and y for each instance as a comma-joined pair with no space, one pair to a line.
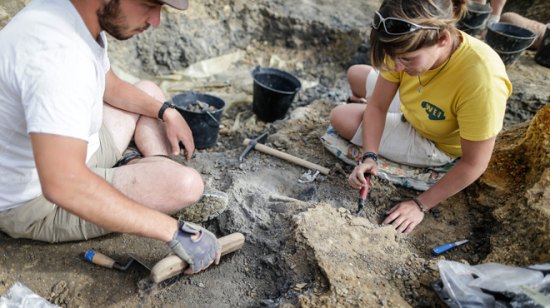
204,124
509,41
475,18
542,56
273,93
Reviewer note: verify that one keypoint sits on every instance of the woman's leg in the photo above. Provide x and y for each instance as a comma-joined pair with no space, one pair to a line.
357,79
345,119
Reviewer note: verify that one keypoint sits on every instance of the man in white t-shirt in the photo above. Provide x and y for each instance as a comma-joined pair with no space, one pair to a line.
65,119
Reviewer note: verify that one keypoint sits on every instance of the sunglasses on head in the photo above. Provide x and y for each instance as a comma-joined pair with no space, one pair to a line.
397,26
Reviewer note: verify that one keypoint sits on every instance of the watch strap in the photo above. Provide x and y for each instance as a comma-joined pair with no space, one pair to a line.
163,108
370,155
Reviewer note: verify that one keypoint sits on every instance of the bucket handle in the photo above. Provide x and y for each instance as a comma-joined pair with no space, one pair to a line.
205,110
213,118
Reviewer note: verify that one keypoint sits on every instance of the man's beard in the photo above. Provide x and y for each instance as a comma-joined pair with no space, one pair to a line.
112,21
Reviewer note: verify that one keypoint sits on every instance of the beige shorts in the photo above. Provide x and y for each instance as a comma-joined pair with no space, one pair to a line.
400,142
42,220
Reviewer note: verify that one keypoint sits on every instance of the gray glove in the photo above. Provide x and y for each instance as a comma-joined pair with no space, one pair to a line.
197,253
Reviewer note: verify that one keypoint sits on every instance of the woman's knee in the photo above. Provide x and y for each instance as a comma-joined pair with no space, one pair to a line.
335,116
151,88
339,122
345,119
357,78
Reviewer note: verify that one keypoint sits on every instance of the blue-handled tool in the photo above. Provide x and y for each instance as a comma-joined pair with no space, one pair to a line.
446,247
100,259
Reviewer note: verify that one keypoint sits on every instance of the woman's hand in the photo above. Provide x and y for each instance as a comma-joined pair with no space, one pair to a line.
404,216
357,177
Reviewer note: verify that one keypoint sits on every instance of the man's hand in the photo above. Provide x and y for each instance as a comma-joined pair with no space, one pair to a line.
178,131
404,216
196,246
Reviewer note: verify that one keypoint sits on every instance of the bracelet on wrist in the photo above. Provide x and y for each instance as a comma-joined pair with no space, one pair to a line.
421,206
370,155
163,108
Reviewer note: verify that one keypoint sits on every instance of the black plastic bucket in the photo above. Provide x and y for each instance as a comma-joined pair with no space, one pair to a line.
542,56
204,124
509,41
473,31
475,18
273,93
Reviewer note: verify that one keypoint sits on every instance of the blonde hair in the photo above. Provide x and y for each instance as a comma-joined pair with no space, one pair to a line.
435,13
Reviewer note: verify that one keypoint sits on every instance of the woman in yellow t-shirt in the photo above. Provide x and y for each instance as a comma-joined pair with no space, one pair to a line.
440,95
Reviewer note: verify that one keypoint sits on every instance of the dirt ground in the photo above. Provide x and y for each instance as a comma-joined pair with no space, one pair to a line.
304,244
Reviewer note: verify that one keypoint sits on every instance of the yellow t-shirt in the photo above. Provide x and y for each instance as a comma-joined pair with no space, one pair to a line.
467,98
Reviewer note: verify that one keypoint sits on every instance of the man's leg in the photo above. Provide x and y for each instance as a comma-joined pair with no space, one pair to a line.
154,180
41,220
497,6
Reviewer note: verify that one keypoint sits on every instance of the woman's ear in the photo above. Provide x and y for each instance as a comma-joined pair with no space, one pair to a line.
445,38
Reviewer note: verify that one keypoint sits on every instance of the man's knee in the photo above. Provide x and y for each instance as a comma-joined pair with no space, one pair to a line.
191,185
151,88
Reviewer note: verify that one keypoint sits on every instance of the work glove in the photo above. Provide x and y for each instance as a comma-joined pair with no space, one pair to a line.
198,253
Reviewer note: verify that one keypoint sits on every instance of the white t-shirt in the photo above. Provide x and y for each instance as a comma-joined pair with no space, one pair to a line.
52,80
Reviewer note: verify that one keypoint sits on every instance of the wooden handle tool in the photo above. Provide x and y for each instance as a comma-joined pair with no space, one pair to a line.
98,258
173,265
293,159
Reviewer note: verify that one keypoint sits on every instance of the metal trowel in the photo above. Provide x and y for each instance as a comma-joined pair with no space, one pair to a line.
100,259
168,267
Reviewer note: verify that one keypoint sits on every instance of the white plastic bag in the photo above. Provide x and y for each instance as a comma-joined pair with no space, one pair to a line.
456,278
19,296
475,286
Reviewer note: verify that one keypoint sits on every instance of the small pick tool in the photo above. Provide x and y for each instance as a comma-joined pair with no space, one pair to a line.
446,247
363,194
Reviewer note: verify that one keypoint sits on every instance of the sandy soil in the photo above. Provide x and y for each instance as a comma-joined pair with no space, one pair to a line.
305,246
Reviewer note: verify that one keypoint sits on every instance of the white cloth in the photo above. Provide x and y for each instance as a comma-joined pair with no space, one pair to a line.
52,80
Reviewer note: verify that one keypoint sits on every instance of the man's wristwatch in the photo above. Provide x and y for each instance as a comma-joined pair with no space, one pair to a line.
165,106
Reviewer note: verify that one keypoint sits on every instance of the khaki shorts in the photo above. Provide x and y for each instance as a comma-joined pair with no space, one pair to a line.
400,142
42,220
